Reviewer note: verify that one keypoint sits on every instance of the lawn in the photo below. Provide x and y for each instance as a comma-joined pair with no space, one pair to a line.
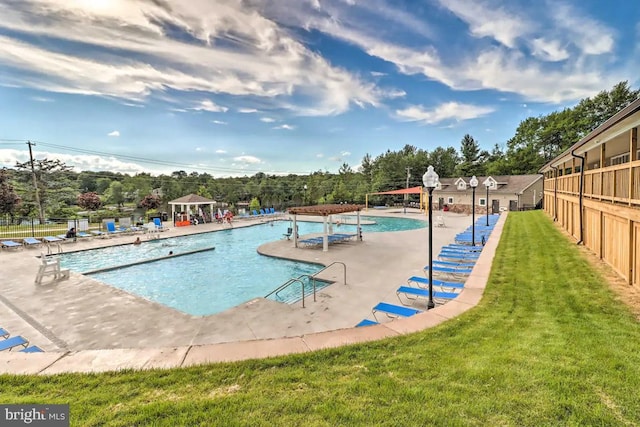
549,344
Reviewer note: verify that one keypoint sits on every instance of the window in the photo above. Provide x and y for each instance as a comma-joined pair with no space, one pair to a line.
450,200
483,202
618,160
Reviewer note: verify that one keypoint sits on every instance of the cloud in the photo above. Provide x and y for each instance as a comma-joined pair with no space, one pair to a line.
549,50
589,35
221,152
345,153
448,111
114,133
219,122
247,159
150,48
486,20
480,63
267,119
80,162
208,105
247,110
285,127
41,99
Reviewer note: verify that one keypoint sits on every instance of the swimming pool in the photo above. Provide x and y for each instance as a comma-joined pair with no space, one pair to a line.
209,282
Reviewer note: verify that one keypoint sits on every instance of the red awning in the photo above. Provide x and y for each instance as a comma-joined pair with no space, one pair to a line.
412,190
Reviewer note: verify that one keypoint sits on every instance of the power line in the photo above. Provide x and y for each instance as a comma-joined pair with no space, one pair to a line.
152,161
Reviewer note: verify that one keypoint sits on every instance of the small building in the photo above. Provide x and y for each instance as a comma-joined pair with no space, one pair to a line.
505,192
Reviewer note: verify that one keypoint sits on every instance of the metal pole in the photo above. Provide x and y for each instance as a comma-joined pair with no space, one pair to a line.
473,216
35,184
406,196
487,205
431,304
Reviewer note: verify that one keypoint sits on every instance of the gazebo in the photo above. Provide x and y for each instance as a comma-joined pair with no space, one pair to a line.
325,211
185,203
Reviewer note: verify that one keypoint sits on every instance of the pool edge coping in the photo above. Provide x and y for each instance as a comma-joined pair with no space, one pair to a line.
110,360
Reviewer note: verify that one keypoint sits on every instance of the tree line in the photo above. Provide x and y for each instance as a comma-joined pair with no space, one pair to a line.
62,192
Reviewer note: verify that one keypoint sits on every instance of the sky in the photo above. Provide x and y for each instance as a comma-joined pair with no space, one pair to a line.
237,87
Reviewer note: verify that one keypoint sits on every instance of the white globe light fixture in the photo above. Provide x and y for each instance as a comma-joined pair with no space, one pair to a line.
430,181
473,183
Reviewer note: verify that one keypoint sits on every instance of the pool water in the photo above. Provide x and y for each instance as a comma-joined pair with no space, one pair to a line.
209,282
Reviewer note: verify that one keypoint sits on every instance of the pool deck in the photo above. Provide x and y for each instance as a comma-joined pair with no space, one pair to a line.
86,326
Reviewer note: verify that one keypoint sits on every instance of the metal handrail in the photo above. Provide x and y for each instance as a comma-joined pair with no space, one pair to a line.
289,282
286,284
313,281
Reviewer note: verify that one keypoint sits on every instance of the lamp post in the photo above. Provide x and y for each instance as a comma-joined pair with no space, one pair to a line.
304,195
430,180
473,183
487,184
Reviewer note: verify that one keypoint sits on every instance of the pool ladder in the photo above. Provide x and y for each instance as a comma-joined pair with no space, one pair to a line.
313,281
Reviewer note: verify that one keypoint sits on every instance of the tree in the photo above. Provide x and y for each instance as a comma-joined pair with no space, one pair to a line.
472,158
596,110
9,199
204,192
496,162
89,201
115,193
47,174
254,205
444,161
150,202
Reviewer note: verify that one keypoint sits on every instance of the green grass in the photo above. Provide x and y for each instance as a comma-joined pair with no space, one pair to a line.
548,345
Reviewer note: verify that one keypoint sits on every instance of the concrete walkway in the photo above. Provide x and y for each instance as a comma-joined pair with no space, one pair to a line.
86,326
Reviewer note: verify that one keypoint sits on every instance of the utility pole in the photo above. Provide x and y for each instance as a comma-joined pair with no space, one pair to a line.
35,182
406,196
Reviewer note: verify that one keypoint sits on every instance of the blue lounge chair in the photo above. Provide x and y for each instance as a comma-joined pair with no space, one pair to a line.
158,224
12,342
445,255
415,293
31,241
314,241
461,251
83,234
394,311
366,322
455,264
467,248
10,244
32,349
420,281
111,228
447,271
4,333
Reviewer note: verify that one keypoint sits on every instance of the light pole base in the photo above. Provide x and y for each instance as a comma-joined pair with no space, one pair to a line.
430,305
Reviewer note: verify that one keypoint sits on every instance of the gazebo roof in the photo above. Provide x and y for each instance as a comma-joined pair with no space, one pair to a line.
324,210
192,199
412,190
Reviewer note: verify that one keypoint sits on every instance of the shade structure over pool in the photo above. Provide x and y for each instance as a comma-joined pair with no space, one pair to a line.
413,190
325,211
